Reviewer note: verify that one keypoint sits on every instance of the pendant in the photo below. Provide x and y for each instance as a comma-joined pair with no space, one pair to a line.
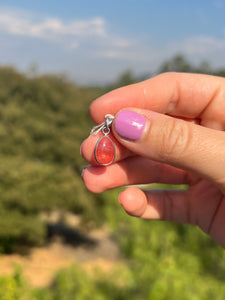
104,152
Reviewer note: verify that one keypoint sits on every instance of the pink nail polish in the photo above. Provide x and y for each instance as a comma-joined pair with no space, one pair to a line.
129,124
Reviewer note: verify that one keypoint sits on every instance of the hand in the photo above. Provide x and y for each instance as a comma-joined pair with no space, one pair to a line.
177,137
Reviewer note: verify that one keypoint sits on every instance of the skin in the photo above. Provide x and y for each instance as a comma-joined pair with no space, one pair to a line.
183,143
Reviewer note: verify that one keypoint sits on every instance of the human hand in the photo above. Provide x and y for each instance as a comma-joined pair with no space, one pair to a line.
179,139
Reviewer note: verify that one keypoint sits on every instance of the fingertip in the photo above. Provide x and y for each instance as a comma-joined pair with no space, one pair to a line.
92,110
91,180
87,149
113,101
100,107
133,201
82,149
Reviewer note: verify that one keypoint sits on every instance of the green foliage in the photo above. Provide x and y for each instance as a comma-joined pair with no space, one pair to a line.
126,78
152,272
166,260
179,63
43,122
166,265
14,287
23,186
17,231
42,118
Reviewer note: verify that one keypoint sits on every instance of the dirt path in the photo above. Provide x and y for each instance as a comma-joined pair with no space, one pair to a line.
98,249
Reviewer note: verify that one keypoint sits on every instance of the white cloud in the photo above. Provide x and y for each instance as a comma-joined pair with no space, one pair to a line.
23,24
202,45
88,49
73,33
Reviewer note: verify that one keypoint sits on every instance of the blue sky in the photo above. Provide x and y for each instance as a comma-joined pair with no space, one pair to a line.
94,41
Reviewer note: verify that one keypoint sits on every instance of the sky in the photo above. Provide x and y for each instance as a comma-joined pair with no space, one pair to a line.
95,41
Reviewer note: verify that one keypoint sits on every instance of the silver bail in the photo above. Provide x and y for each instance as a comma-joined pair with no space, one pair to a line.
104,125
108,122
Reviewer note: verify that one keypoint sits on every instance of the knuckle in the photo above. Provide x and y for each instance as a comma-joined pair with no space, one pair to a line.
175,139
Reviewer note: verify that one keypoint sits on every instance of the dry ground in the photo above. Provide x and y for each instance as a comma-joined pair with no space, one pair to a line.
95,249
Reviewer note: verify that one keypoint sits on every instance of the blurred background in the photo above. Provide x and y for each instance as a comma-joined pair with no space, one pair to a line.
57,240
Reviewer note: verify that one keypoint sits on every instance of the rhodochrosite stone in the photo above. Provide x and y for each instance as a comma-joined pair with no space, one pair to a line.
104,151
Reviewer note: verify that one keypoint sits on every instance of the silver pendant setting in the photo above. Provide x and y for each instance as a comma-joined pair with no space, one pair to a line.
104,151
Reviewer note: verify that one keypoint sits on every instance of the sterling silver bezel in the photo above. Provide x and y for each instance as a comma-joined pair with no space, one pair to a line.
114,151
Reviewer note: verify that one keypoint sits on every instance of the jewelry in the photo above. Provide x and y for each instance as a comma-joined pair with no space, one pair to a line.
104,149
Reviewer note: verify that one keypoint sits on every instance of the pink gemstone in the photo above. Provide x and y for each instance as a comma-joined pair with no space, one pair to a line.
104,151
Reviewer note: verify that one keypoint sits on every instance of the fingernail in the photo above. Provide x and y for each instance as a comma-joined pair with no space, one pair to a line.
129,124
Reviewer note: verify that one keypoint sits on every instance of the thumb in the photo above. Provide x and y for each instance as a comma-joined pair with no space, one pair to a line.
173,141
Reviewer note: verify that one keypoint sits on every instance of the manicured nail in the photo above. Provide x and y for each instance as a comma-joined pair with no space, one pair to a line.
129,124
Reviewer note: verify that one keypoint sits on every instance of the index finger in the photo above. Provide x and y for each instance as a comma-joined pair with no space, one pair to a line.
193,96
